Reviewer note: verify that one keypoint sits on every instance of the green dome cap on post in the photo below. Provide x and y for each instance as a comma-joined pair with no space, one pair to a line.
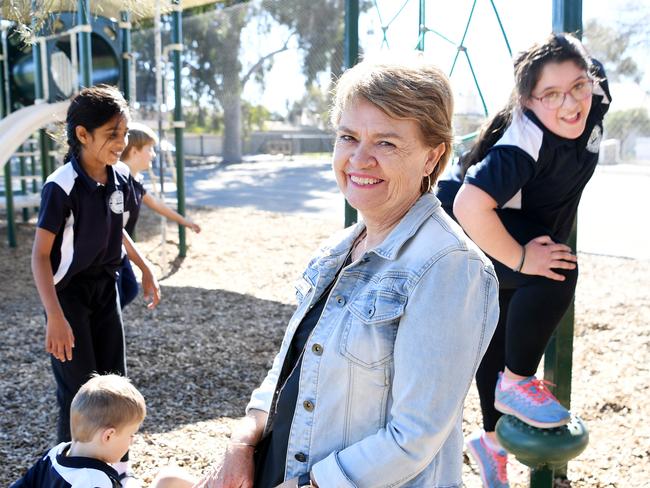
536,447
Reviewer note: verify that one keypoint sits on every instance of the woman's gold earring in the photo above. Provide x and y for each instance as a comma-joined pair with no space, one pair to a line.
430,183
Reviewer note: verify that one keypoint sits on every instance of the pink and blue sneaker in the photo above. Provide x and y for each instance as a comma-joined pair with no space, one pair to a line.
531,402
492,464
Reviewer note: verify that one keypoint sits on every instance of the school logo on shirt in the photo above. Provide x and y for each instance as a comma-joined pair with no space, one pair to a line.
116,202
593,144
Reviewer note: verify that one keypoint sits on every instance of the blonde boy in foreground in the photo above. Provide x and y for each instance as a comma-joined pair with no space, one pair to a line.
105,414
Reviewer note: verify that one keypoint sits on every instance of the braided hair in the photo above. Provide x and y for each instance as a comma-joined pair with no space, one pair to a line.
92,108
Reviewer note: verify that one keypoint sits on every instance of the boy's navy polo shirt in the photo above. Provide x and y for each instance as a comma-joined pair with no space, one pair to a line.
87,218
535,171
58,470
133,214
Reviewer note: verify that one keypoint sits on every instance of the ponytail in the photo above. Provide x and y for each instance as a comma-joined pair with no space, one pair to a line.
74,146
490,133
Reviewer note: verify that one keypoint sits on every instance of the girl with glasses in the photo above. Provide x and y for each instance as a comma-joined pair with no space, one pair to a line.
516,194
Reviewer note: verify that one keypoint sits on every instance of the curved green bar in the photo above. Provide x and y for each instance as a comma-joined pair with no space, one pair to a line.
542,447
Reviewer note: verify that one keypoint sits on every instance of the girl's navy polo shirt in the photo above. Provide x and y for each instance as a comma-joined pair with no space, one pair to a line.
87,218
535,171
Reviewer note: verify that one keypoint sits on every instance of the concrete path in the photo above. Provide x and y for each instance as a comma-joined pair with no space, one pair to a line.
613,218
300,184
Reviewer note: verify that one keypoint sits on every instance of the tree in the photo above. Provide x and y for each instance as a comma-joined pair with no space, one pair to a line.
611,46
626,126
215,51
314,104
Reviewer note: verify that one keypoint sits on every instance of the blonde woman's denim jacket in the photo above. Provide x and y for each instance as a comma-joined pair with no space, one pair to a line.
386,369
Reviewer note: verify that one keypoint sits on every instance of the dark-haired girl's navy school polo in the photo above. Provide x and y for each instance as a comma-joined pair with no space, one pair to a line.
87,219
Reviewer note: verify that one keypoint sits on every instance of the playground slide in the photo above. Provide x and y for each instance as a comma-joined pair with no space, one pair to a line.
18,126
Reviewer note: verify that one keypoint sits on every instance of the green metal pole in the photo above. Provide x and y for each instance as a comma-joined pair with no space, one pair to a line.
85,50
177,40
46,167
23,182
125,34
4,110
422,28
11,219
541,477
351,41
32,149
567,16
558,358
5,89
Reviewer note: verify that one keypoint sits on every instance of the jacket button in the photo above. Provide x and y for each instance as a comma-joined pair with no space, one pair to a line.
317,349
300,457
309,406
340,300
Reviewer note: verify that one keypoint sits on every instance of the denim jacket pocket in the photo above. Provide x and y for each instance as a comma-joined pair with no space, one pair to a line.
369,334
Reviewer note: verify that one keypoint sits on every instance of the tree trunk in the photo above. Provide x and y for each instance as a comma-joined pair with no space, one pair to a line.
232,143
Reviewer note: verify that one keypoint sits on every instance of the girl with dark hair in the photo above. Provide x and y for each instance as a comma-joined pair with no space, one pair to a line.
516,194
78,247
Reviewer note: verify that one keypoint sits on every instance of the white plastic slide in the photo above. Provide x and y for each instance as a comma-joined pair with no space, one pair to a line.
18,126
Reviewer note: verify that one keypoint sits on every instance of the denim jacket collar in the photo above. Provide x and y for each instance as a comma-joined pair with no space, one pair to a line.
405,229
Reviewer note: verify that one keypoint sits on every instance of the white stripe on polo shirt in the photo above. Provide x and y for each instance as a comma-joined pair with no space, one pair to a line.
122,169
67,249
527,136
79,477
63,176
524,134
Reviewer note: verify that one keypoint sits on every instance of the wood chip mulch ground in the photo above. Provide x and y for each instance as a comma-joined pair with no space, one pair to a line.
198,356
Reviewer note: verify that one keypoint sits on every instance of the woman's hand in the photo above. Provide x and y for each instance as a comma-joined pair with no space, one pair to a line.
59,339
236,469
543,255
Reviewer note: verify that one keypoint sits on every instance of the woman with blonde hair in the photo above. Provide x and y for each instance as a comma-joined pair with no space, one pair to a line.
393,315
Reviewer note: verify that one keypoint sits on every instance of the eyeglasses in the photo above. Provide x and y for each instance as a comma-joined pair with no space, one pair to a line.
555,99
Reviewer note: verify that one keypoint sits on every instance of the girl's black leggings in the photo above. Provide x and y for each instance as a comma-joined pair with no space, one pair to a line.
530,309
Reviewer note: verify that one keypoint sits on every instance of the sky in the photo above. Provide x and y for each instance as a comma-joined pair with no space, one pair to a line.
524,22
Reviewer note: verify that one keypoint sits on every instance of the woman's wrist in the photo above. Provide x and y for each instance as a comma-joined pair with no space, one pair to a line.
236,443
